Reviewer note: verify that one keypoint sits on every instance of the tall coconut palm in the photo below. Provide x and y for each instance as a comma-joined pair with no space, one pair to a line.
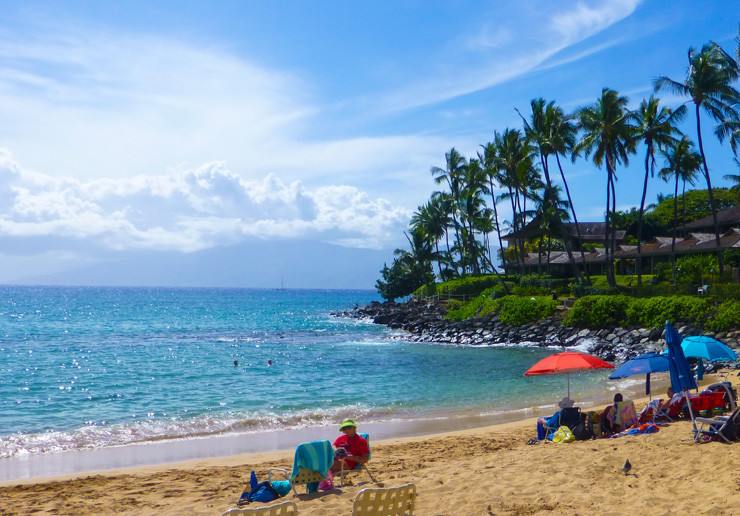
549,132
488,160
608,135
453,176
708,83
656,128
514,159
472,207
431,220
683,163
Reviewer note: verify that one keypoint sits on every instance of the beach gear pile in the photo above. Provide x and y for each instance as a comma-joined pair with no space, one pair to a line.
263,491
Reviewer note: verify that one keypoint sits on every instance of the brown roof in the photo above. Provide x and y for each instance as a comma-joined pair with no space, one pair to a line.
730,216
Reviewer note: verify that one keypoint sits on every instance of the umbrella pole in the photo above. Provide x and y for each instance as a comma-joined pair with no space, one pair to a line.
647,387
691,411
568,375
699,369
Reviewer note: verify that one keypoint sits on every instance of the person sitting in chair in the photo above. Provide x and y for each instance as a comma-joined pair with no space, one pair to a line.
351,448
604,417
553,421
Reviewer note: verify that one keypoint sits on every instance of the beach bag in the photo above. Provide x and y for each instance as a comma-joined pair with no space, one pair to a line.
563,435
582,431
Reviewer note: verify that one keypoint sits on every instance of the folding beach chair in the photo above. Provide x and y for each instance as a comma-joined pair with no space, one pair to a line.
358,467
279,509
311,465
388,501
569,416
650,412
724,428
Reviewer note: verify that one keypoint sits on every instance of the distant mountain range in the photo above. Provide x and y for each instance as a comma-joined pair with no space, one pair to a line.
258,264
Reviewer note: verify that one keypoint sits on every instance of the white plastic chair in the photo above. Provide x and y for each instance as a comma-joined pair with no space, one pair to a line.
385,501
286,508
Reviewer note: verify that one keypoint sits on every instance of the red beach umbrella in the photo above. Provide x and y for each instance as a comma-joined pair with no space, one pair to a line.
566,363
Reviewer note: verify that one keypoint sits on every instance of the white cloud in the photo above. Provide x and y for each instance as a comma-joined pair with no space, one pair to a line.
539,36
189,210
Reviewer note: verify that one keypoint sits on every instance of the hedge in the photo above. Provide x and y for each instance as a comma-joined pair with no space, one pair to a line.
606,311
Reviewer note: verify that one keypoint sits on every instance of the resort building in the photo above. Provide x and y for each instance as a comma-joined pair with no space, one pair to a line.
699,238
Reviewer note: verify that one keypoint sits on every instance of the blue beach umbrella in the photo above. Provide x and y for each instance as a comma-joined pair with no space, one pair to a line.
643,364
705,348
681,378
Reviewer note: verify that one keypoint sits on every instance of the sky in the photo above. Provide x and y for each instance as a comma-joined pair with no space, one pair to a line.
191,126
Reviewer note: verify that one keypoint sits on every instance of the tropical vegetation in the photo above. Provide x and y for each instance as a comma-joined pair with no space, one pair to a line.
453,235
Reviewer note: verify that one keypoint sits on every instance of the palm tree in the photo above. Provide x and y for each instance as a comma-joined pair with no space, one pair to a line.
609,137
708,83
551,133
472,208
453,175
683,163
655,126
488,160
431,220
514,159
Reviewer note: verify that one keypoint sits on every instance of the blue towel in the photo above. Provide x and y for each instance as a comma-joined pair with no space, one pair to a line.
316,456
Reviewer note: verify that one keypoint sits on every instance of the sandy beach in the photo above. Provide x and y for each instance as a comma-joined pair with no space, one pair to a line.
489,470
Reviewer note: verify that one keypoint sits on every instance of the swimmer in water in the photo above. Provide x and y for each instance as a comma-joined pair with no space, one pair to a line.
269,362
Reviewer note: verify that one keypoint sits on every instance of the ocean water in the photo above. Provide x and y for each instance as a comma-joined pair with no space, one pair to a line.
84,368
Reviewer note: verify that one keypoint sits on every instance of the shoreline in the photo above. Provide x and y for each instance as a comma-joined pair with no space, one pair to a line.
484,470
71,463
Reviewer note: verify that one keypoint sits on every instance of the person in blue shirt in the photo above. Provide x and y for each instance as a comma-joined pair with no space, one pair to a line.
553,421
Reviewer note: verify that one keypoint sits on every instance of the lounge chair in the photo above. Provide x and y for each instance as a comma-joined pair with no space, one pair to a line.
358,467
724,428
388,501
624,416
280,509
311,465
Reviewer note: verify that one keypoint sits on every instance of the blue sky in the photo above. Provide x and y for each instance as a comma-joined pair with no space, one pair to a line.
191,125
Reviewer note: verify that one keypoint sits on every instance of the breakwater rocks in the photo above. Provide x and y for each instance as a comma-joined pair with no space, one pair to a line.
425,322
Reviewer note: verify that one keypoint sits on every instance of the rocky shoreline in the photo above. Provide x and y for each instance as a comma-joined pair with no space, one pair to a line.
425,322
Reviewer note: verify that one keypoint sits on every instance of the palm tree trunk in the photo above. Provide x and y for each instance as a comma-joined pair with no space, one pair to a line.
614,225
575,221
639,219
498,228
609,258
673,236
720,260
683,208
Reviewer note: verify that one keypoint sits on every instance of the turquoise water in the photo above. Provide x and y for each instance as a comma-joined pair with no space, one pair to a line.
95,367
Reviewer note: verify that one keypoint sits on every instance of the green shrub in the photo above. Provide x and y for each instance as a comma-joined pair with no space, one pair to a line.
468,287
655,311
691,269
725,291
585,290
521,310
727,316
599,311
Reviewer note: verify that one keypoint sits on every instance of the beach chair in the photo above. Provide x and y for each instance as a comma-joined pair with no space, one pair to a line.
388,501
730,394
724,428
569,416
311,465
359,468
279,509
650,412
623,416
